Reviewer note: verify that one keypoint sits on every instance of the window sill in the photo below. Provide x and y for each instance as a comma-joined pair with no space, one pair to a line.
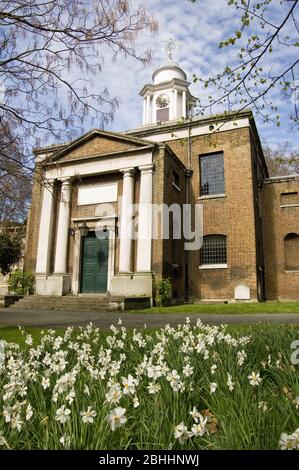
292,271
176,187
212,196
213,266
289,205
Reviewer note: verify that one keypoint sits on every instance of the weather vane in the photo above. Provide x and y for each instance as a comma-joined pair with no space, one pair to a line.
170,46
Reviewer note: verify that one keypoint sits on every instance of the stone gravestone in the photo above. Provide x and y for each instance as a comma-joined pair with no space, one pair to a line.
242,292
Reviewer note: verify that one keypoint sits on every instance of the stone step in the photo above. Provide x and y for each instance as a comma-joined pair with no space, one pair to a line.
51,307
71,304
69,297
68,301
58,304
64,302
40,302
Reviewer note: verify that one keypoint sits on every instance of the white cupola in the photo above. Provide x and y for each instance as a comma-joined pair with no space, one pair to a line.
168,98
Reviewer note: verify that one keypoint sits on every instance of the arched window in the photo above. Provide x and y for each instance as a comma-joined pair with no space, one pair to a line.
291,252
213,250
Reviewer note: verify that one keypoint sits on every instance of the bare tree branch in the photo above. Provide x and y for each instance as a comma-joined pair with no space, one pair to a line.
253,76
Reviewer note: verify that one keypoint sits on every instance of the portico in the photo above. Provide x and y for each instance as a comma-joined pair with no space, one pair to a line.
102,199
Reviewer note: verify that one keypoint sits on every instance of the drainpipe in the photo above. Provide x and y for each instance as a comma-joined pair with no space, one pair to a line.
188,176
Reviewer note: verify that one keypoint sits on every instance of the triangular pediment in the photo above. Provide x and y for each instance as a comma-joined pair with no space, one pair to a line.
97,143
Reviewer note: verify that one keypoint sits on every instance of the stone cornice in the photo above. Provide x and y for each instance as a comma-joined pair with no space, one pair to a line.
97,156
176,125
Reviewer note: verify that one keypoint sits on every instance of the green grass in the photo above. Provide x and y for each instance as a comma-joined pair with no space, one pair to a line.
12,334
241,424
231,308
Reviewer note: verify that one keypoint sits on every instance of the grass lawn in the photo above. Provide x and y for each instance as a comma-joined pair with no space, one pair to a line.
185,387
237,308
13,334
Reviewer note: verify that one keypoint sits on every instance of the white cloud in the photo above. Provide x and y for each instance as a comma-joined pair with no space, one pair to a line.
198,28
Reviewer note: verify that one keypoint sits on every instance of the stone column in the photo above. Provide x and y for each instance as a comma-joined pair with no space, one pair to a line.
184,105
144,112
126,226
63,228
175,104
144,246
45,230
148,109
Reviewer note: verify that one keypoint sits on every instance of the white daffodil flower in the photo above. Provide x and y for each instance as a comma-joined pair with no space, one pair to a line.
117,418
88,416
63,414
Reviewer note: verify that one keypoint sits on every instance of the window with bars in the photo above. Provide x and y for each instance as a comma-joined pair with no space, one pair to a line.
213,250
212,174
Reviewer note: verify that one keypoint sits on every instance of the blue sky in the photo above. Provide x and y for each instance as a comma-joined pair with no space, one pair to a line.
198,28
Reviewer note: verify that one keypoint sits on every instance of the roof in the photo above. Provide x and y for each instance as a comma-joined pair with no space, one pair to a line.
174,125
168,65
56,151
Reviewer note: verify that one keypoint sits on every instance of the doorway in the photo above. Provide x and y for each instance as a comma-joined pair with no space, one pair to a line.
94,263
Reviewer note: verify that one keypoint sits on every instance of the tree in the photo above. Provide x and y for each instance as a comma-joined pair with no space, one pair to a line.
15,178
50,50
282,161
266,61
53,48
10,250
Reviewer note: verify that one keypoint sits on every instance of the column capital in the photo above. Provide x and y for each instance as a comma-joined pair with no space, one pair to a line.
48,182
127,172
65,181
146,168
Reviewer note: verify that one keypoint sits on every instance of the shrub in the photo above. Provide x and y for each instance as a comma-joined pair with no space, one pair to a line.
162,292
10,252
21,283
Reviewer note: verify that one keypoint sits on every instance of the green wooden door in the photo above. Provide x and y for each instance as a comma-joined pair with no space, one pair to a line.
94,264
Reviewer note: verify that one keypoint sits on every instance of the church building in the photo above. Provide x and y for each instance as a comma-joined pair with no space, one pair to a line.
80,238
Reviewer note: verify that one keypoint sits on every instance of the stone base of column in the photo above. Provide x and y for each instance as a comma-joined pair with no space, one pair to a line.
132,285
54,284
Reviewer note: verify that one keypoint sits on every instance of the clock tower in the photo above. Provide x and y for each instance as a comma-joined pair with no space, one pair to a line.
168,98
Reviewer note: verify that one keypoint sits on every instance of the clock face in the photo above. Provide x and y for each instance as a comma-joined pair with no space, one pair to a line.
162,101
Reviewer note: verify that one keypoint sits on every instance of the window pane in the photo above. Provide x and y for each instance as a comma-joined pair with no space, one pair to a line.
214,250
176,179
212,174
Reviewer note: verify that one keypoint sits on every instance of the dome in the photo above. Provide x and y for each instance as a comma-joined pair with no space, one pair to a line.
167,72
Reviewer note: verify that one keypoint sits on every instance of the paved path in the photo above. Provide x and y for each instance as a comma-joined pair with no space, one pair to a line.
62,319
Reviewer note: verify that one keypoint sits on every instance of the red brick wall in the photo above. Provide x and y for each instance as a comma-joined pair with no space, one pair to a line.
277,223
232,215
